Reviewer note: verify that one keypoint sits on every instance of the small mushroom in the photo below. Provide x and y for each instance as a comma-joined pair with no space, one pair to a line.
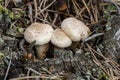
41,34
60,39
38,32
75,29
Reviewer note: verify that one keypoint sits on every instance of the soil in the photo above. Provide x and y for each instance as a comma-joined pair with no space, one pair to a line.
111,43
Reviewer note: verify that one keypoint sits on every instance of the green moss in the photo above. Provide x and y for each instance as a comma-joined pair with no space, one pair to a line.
111,7
9,13
103,76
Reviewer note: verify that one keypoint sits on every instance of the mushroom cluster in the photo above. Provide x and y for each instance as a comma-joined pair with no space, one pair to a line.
71,30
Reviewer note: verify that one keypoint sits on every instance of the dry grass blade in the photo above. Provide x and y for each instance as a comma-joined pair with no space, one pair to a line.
30,13
6,3
34,71
35,6
38,77
47,6
91,17
8,66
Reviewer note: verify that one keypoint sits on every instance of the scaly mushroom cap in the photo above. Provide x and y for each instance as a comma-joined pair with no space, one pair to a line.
39,32
75,29
60,39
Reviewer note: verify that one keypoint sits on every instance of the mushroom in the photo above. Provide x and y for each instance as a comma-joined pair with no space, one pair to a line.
75,29
41,34
41,51
60,39
38,32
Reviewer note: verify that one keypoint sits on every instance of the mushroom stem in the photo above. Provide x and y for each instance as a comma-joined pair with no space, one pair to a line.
41,51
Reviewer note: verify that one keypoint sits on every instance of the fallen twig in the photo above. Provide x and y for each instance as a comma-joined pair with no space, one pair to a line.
5,78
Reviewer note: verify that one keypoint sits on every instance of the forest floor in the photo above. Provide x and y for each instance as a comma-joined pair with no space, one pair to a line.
96,58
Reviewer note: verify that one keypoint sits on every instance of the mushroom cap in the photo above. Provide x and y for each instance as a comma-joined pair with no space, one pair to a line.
75,29
60,39
39,32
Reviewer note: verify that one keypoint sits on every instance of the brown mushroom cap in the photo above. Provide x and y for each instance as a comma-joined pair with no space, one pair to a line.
39,32
75,29
60,39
